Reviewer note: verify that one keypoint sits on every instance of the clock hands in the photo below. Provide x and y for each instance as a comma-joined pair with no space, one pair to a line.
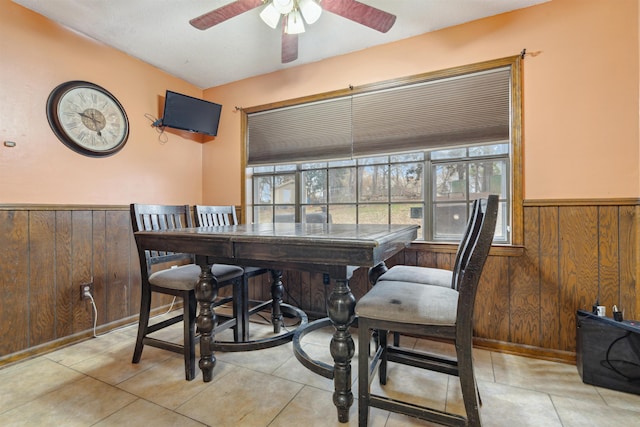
93,120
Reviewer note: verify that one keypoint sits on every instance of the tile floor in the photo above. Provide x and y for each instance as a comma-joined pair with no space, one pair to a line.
93,383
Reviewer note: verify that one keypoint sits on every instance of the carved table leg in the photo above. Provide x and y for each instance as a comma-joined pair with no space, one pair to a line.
277,292
206,292
341,310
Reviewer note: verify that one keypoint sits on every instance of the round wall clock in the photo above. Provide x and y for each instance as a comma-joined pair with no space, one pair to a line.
87,118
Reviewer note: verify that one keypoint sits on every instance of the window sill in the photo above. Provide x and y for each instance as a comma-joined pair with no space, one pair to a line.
496,250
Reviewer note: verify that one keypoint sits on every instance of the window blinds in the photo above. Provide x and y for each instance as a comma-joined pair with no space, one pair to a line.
462,110
306,132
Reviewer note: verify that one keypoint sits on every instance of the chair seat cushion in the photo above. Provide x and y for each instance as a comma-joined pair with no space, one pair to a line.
185,277
409,302
426,275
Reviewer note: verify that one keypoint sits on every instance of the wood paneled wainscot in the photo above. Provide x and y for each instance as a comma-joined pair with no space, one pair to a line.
45,254
574,252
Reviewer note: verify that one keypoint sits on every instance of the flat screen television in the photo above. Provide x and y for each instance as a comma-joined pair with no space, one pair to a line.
191,114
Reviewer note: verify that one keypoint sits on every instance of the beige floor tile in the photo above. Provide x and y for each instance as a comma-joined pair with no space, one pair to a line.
409,342
323,336
164,383
142,413
114,367
554,378
266,360
413,385
578,413
314,408
506,406
482,363
95,382
620,399
398,420
173,333
31,379
242,398
69,356
80,403
437,347
263,330
316,346
130,330
503,406
293,370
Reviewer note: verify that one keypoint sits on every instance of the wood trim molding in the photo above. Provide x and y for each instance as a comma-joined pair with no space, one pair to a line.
386,84
36,207
450,248
568,357
79,337
628,201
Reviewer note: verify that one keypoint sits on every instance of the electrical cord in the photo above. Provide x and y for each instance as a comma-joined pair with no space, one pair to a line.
95,316
173,301
170,308
607,363
162,137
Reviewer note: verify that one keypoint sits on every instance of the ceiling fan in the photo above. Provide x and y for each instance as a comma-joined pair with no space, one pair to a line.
292,13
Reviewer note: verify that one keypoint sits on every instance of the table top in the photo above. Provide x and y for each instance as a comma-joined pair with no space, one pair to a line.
286,244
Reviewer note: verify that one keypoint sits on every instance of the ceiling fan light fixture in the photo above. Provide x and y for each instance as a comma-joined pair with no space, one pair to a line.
294,23
270,15
311,10
283,6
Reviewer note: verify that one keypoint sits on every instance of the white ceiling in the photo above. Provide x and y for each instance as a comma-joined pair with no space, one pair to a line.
158,32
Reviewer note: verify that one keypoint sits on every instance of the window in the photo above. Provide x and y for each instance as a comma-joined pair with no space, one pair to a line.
387,190
413,151
462,175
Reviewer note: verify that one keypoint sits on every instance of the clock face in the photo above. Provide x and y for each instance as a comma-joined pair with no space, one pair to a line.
87,118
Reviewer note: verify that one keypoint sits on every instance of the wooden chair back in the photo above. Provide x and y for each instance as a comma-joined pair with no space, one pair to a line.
469,271
213,216
464,247
160,217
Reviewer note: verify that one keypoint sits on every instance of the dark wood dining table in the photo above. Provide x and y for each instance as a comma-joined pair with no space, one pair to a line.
335,250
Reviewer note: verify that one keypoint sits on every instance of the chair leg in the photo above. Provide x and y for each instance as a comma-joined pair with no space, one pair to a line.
189,324
244,307
382,369
143,323
468,384
238,312
363,374
277,292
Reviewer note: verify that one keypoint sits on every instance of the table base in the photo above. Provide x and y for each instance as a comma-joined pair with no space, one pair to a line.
289,310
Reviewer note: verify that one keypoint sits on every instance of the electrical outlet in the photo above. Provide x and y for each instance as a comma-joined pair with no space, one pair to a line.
86,289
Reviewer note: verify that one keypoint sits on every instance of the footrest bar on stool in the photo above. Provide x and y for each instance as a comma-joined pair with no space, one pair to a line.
231,346
315,366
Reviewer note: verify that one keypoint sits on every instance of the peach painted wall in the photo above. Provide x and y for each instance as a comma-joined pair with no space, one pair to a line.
580,105
581,130
36,56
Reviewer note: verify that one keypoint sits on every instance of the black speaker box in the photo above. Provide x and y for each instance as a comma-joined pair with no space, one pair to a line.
608,352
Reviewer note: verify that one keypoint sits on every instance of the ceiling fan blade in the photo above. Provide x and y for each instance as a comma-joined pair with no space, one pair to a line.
223,13
289,47
361,13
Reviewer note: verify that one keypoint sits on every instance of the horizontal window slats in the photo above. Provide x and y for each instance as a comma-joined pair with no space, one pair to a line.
467,109
463,110
308,132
